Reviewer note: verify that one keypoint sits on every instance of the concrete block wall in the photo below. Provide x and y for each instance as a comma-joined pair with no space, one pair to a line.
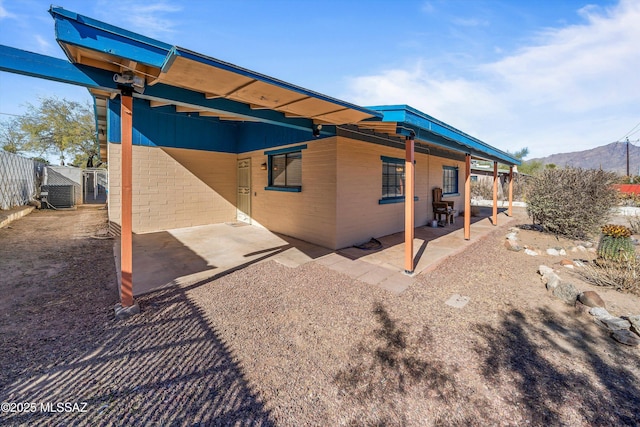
309,215
360,216
175,187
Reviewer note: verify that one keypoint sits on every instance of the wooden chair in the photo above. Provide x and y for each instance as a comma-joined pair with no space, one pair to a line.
442,207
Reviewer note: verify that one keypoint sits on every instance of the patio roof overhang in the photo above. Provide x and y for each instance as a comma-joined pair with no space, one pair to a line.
196,83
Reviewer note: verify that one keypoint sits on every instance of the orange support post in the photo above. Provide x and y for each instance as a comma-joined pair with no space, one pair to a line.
510,191
467,197
126,243
495,193
409,211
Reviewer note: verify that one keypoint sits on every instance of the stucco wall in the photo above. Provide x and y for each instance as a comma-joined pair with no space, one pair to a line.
309,215
175,187
360,216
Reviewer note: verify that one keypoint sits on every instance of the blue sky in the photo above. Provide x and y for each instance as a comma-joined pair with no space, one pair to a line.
553,76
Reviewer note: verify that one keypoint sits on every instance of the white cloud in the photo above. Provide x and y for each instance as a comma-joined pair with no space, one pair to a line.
151,19
4,13
575,88
44,45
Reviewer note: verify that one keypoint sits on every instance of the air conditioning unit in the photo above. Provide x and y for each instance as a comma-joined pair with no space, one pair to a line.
57,196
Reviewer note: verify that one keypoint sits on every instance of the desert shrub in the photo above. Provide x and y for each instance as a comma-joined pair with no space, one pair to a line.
482,189
572,202
615,243
634,224
620,275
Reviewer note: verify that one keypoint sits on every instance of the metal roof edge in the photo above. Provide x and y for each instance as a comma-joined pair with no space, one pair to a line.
53,11
425,121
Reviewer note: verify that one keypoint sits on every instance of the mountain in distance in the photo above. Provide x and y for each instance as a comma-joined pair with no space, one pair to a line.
611,157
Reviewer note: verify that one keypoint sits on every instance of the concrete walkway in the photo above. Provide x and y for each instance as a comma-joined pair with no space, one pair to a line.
196,254
9,215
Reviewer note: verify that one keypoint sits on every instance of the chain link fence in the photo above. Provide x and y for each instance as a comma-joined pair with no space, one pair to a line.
20,179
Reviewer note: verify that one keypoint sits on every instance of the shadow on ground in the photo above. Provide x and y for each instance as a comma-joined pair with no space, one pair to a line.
166,366
516,355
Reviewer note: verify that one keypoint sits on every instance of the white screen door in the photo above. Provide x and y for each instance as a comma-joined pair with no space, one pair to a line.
244,191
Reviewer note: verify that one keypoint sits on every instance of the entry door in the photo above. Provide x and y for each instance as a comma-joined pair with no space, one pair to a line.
244,191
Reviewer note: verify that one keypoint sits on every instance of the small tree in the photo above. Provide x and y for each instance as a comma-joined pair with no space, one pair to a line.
571,201
12,138
59,126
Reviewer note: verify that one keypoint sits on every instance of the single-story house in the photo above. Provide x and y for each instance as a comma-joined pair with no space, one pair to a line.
193,140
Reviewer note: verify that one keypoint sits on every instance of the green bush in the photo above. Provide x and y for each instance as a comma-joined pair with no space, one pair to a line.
572,202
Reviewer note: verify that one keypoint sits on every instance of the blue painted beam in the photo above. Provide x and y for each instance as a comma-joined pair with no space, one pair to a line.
31,64
185,97
79,30
35,65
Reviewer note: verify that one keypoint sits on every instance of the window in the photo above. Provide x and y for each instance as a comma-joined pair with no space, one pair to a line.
449,180
392,178
474,178
285,169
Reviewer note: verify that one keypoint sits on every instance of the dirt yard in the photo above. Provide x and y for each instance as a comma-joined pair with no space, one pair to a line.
272,345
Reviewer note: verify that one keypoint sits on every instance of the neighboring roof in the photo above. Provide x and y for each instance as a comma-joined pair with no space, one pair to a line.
193,82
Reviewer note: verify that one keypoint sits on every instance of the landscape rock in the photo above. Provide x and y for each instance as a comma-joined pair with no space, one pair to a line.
544,270
530,252
512,236
591,299
553,280
122,312
567,263
553,252
626,337
581,248
635,323
512,245
562,252
599,312
614,323
583,243
566,292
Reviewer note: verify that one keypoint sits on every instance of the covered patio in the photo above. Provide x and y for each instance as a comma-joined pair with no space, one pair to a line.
188,258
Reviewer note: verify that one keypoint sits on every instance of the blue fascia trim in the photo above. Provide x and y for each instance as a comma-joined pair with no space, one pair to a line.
285,189
415,119
31,64
189,98
89,33
286,150
391,200
194,56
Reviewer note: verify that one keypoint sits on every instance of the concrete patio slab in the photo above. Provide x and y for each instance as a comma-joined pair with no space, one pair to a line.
191,255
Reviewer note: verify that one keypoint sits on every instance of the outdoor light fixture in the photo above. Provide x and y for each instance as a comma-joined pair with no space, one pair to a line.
316,130
128,77
263,166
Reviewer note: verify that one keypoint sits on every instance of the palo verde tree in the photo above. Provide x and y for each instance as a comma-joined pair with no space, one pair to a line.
60,127
12,138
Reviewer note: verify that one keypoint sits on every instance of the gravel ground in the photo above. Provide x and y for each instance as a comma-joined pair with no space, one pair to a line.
271,345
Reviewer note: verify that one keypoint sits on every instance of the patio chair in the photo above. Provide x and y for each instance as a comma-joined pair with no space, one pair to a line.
442,207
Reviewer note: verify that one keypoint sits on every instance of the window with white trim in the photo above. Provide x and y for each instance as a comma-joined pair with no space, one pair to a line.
449,180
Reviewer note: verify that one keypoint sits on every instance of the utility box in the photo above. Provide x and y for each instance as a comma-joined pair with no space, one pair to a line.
58,196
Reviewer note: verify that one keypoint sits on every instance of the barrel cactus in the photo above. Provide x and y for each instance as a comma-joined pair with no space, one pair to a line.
615,243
